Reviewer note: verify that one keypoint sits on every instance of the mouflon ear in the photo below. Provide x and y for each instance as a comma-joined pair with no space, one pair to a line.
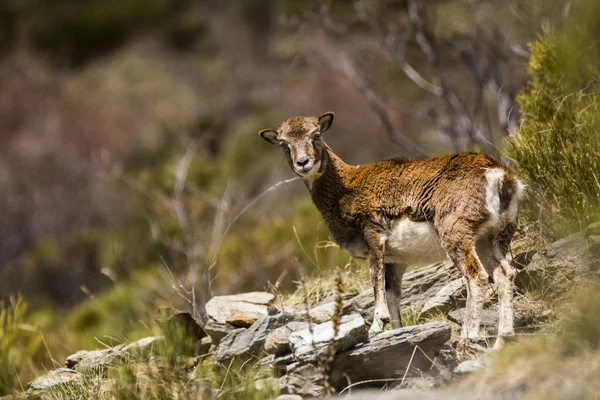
269,135
325,121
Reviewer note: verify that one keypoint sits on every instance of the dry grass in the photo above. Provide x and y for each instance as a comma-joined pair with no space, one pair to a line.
170,370
322,286
561,364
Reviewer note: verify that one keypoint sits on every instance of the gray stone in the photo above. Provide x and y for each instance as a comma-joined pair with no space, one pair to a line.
308,343
391,354
489,318
469,366
240,310
88,361
283,360
418,287
302,379
573,255
217,331
451,295
322,312
242,344
54,379
278,341
141,346
289,397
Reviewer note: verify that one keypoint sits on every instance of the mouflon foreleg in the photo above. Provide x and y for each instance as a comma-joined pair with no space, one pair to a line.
376,250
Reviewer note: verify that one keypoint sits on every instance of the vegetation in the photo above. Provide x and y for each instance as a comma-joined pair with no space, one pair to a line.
556,148
557,152
20,346
529,369
169,369
102,100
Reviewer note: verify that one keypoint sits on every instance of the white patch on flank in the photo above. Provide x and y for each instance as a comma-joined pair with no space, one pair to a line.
495,178
513,208
498,218
413,243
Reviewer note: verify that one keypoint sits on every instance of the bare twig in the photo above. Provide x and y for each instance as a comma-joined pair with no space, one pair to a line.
421,82
350,71
179,206
427,44
243,210
377,107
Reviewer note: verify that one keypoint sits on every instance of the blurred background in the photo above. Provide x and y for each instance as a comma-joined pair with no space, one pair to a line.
130,161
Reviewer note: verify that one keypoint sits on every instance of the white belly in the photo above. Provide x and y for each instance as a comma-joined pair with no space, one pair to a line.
413,244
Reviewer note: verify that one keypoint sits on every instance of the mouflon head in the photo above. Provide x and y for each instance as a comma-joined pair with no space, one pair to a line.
300,138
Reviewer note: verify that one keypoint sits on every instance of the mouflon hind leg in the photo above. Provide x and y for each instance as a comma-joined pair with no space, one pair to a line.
493,252
504,278
393,281
460,245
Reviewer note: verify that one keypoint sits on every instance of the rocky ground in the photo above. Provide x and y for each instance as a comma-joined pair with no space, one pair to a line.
294,342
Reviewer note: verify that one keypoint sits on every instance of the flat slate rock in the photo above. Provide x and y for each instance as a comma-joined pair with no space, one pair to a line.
307,344
489,318
239,310
93,360
418,287
321,312
452,295
87,361
575,254
391,354
278,341
54,378
302,379
242,344
217,331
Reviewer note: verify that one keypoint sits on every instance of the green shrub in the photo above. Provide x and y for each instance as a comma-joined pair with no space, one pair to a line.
20,343
557,147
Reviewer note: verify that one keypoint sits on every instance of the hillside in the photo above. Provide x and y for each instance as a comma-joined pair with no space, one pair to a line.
136,193
260,344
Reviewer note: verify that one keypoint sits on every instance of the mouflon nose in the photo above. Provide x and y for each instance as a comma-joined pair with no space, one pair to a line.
301,162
